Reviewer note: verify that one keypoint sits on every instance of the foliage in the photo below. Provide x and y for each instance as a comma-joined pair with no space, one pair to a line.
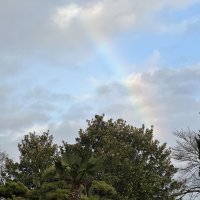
37,152
53,187
133,166
137,166
13,190
76,168
102,189
16,198
187,152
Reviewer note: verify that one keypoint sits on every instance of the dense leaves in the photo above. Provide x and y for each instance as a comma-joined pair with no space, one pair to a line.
37,152
53,187
102,190
76,168
137,166
13,189
110,160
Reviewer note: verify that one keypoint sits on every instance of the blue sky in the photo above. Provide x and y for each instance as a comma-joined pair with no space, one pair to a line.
62,62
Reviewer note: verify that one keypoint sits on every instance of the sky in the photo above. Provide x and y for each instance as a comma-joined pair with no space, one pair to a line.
62,62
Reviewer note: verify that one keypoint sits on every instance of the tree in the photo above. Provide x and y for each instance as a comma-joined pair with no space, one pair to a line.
197,138
52,187
37,152
2,162
102,190
13,190
137,166
187,153
76,168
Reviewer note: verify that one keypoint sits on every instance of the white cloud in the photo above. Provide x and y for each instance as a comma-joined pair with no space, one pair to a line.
65,15
188,26
108,16
168,98
154,61
63,33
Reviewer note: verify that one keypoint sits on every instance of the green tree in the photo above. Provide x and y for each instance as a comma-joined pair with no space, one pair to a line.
102,190
76,168
13,190
53,186
37,152
137,166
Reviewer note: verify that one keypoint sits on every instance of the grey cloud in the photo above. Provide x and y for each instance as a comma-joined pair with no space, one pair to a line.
9,146
67,130
166,98
114,101
169,97
23,109
78,111
21,120
44,94
175,81
28,33
26,36
33,108
72,120
111,89
4,90
9,67
192,27
17,113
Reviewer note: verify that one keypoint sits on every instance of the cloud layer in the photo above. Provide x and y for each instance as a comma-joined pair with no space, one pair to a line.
58,66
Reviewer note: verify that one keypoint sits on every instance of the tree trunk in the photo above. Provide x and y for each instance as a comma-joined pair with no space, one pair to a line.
75,194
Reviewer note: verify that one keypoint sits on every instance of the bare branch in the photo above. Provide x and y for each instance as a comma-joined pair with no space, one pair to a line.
187,152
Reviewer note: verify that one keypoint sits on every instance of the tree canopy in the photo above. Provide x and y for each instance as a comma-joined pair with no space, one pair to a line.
76,168
137,166
111,160
37,152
